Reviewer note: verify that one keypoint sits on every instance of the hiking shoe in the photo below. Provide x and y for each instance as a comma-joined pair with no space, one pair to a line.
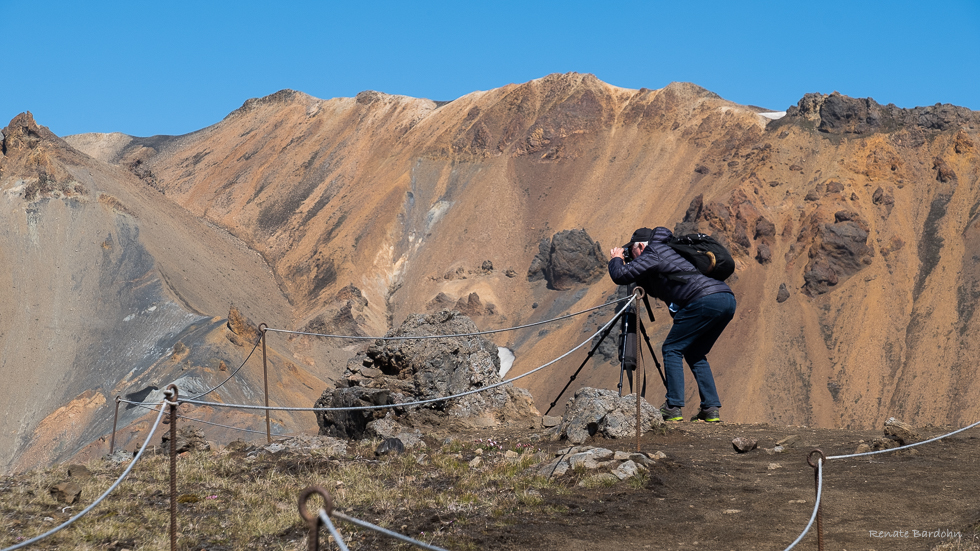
671,414
708,415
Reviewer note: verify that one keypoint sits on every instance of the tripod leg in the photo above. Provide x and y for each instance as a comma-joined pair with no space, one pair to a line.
656,362
587,358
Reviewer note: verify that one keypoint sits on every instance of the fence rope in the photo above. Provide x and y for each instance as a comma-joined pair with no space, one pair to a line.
144,406
420,337
905,446
418,402
325,518
106,493
233,373
380,530
852,455
816,506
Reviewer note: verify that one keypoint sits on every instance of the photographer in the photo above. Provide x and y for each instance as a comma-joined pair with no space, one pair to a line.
700,306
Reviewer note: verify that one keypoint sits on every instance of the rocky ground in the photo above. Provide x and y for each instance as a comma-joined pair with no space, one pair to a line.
705,494
485,489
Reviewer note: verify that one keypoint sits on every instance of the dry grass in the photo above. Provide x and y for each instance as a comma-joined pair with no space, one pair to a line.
230,501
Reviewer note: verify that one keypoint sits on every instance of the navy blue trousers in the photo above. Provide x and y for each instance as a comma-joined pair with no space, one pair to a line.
696,328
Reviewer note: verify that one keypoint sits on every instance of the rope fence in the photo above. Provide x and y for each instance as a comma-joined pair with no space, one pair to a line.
416,402
403,404
202,421
105,494
818,474
233,373
422,337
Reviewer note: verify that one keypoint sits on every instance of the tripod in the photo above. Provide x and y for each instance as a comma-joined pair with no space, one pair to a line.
628,349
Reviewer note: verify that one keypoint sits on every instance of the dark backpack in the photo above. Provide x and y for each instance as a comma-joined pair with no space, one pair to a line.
710,257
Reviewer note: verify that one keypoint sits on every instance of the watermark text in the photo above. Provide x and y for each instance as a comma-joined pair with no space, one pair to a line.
913,534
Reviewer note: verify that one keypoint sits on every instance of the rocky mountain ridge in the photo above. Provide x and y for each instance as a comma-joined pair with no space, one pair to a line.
853,226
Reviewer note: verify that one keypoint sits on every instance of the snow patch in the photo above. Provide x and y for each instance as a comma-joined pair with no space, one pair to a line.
774,115
506,359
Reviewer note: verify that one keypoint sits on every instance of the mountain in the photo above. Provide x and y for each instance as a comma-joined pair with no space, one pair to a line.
853,227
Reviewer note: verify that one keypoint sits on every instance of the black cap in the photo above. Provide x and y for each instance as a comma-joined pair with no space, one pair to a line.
642,234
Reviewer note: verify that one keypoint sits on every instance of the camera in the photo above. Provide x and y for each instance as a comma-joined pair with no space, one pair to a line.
628,253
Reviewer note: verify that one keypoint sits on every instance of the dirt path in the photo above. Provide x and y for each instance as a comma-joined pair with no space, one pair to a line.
706,496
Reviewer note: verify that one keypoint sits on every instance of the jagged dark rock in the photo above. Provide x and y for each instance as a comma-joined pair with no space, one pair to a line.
838,251
350,424
783,294
570,260
883,199
691,217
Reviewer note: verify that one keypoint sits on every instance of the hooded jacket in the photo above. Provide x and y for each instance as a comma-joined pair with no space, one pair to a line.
659,260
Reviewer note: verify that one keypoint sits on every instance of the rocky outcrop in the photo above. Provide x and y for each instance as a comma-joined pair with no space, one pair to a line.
28,148
571,259
242,330
840,114
397,371
838,251
342,317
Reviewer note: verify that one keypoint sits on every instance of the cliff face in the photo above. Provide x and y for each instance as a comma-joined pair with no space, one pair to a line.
853,226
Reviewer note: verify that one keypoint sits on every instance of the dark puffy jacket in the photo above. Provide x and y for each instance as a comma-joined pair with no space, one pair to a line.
658,260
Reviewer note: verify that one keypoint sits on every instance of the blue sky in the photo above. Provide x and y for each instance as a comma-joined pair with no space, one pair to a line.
173,67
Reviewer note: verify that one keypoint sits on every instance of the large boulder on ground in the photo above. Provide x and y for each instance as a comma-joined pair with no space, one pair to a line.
570,260
402,371
599,411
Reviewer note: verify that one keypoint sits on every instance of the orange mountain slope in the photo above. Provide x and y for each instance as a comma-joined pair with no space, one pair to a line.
852,225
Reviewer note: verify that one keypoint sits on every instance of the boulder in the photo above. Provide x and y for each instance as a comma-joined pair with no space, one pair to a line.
783,294
350,424
901,432
390,446
66,492
79,472
627,469
743,444
598,411
409,370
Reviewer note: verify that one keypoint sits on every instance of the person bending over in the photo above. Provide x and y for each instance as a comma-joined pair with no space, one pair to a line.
700,306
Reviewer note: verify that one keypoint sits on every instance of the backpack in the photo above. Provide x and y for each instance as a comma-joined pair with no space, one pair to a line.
710,257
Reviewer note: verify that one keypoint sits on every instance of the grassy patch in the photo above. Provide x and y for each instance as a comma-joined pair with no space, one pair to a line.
228,500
